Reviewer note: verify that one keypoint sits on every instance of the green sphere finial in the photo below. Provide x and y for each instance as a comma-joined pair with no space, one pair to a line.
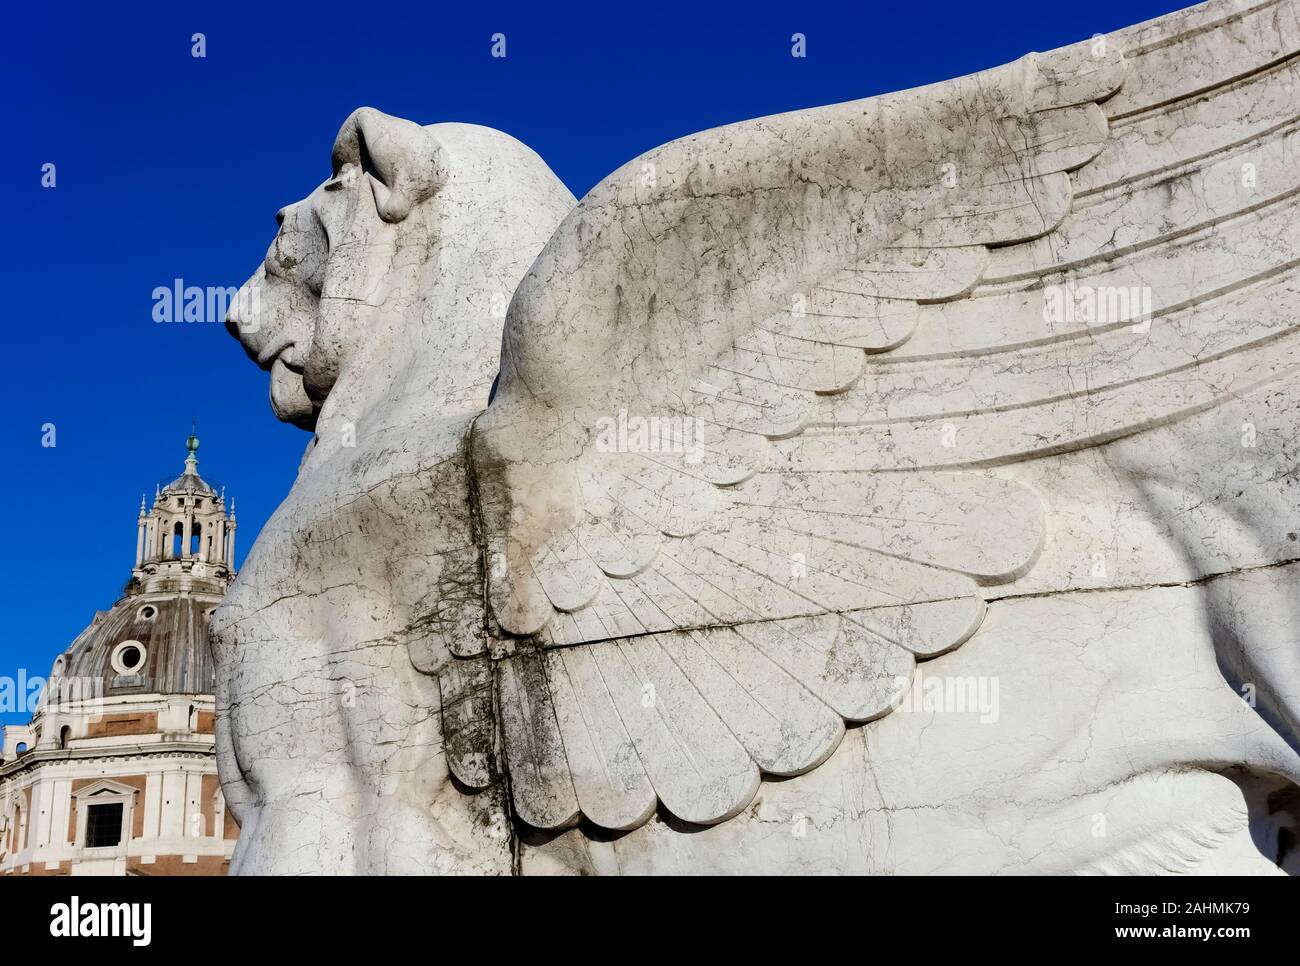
192,444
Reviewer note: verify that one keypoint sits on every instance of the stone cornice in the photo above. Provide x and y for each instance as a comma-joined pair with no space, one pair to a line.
34,759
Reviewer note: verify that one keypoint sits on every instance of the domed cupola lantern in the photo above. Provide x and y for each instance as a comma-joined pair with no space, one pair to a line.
186,538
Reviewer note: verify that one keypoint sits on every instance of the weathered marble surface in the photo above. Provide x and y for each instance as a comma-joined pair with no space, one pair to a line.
989,387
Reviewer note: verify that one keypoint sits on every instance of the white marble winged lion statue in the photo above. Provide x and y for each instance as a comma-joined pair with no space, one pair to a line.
902,486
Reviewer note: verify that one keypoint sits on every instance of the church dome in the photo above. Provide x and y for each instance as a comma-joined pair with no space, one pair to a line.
146,644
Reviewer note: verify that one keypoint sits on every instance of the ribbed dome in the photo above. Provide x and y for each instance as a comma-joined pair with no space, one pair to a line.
155,644
190,483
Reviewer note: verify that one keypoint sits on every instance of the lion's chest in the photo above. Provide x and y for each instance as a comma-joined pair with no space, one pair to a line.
364,548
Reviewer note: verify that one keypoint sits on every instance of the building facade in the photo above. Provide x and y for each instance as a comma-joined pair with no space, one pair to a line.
116,772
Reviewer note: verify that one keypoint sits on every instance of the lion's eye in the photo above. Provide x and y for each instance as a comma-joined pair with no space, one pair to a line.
300,250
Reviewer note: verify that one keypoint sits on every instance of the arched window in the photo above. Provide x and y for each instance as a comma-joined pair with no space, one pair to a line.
65,736
194,719
21,748
195,542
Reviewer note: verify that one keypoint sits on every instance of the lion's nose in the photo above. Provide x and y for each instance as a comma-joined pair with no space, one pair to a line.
242,315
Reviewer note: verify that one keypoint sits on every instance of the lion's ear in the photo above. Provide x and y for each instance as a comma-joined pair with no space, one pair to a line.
406,163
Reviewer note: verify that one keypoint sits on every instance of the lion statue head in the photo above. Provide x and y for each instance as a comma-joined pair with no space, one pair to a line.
416,226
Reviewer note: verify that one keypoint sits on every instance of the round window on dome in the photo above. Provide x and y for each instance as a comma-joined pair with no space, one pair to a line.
147,612
128,657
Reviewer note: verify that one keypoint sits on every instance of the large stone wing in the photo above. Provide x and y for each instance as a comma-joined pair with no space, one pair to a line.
741,470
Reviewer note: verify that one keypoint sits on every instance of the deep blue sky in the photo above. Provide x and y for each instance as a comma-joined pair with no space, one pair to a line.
173,167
